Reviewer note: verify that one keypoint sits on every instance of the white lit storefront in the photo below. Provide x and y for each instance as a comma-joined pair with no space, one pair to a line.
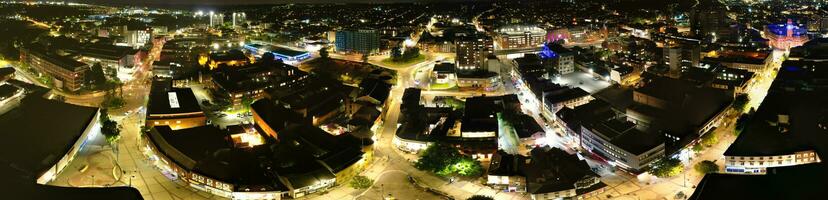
410,146
759,164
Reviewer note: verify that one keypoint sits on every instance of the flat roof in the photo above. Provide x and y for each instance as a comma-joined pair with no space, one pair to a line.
761,138
558,169
61,61
794,182
34,148
208,150
287,52
7,91
172,101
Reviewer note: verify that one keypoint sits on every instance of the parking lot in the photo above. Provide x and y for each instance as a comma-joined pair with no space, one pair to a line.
583,80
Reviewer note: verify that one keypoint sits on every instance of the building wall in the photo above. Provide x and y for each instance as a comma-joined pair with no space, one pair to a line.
410,146
485,83
759,164
645,99
359,41
176,122
555,195
565,64
72,80
92,129
621,157
509,183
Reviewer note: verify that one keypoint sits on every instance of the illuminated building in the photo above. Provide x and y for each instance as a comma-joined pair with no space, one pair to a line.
516,37
174,107
558,58
232,58
358,41
681,54
709,18
281,53
44,135
472,51
66,72
786,35
252,81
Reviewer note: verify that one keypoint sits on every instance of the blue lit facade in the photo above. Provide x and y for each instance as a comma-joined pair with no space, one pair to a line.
284,54
547,53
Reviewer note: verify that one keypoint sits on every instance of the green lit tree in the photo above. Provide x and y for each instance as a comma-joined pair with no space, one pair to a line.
109,128
361,182
666,167
446,160
709,139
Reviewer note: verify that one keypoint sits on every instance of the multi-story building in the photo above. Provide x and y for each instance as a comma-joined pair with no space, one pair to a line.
558,59
251,82
709,18
753,61
239,18
786,35
517,37
66,72
216,19
174,107
625,144
137,37
51,136
680,55
552,173
472,51
122,59
358,41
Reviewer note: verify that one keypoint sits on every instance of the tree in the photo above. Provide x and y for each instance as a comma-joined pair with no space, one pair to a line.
480,197
365,57
666,167
411,53
323,53
706,167
109,128
446,160
396,54
361,182
740,102
96,77
113,102
709,139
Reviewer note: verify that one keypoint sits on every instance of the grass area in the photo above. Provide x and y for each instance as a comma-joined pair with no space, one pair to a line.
348,72
442,86
404,63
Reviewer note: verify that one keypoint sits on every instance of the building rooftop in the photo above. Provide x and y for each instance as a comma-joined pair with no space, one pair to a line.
228,56
564,94
688,106
110,52
277,117
7,91
765,135
172,101
6,71
552,170
445,67
778,183
33,148
61,61
209,151
504,164
626,135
